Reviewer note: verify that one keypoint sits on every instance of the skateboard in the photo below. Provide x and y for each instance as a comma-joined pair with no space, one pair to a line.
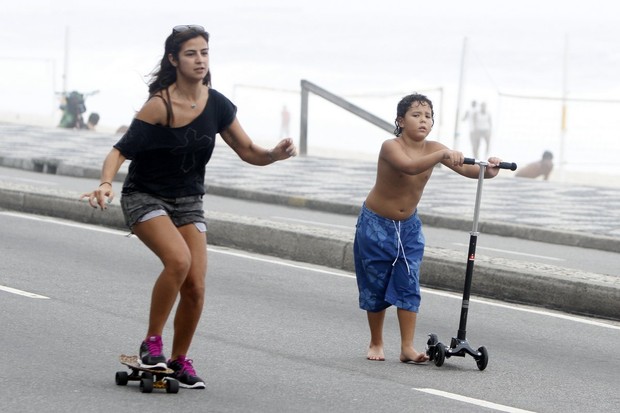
149,378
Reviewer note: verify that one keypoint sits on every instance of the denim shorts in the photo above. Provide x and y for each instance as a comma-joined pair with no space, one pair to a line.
140,206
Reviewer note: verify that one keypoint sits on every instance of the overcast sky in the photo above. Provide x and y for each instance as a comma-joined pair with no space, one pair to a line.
346,46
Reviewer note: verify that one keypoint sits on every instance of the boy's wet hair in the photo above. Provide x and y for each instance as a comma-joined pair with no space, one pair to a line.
404,105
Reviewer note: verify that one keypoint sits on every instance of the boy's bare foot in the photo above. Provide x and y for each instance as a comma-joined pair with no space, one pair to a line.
412,356
375,353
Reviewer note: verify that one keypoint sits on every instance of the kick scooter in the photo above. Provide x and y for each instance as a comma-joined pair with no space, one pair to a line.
459,346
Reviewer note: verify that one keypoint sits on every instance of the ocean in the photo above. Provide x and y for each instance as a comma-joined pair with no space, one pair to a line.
520,58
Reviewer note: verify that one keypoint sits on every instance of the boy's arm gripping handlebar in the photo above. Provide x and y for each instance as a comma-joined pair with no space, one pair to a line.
502,165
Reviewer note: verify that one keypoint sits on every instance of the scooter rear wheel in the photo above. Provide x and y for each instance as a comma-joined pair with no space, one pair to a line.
430,346
440,354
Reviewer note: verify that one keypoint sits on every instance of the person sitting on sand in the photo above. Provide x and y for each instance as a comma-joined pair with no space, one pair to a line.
539,168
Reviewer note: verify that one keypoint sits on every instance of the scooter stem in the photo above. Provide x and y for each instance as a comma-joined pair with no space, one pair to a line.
471,256
483,166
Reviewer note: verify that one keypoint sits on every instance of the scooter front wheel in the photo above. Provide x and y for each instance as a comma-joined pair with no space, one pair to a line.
483,360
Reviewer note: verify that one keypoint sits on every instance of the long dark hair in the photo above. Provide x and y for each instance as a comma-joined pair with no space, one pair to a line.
166,74
404,105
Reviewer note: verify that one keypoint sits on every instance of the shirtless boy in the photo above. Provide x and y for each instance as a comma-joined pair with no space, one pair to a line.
389,243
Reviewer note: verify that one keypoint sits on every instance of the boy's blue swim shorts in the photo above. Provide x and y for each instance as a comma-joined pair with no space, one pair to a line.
388,255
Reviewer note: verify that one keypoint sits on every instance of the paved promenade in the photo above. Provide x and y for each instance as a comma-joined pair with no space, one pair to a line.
553,212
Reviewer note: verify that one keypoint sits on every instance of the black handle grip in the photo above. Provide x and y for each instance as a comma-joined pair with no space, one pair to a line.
508,165
502,165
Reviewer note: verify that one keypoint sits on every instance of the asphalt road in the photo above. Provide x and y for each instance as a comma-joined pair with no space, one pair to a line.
585,259
275,336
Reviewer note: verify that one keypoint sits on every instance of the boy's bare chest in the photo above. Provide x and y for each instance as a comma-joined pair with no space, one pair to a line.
411,183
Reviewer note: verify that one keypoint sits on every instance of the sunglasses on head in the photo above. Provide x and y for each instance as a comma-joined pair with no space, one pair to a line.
185,27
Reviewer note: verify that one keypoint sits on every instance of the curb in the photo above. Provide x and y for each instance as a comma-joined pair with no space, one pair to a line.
526,232
545,286
531,233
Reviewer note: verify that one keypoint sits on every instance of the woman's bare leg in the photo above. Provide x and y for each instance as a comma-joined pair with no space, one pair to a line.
164,239
192,292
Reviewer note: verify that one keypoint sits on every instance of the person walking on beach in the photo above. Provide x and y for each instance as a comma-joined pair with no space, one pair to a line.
169,143
482,127
470,117
389,242
285,122
479,126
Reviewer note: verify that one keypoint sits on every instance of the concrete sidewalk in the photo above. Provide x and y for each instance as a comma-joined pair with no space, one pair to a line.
587,216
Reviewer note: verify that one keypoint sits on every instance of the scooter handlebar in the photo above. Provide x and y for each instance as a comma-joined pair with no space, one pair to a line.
508,165
502,165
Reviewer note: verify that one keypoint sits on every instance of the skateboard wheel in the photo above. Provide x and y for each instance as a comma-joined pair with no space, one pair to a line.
122,378
146,385
172,386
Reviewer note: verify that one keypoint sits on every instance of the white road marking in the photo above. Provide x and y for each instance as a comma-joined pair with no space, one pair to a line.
22,293
72,224
476,402
541,312
279,262
424,290
344,274
33,181
523,254
57,222
303,221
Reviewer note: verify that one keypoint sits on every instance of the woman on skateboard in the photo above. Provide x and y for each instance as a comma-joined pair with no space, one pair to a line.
169,143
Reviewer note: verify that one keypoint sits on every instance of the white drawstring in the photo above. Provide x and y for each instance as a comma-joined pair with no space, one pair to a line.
400,248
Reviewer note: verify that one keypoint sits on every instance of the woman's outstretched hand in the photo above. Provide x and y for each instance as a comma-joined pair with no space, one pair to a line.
284,150
97,198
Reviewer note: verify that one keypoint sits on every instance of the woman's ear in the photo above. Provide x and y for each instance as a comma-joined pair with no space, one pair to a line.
171,59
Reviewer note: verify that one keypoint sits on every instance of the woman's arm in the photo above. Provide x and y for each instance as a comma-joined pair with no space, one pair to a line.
111,165
252,153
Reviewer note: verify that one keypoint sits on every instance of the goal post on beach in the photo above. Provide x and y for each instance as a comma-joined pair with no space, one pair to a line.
583,131
580,130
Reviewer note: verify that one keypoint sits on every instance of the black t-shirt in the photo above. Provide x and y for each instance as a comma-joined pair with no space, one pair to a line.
170,162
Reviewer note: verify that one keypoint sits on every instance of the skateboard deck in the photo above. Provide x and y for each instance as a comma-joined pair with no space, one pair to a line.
132,362
149,378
